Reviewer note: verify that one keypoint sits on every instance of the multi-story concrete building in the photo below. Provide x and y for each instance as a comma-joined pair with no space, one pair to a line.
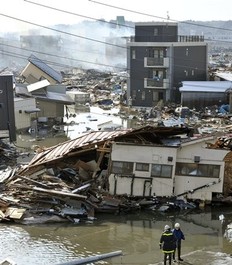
159,60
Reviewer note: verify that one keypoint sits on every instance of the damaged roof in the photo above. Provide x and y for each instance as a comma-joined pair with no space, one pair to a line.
45,68
44,94
96,139
56,97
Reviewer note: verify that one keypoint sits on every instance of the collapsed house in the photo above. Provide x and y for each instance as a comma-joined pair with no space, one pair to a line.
118,171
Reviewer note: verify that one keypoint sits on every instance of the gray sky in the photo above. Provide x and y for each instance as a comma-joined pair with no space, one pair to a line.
178,10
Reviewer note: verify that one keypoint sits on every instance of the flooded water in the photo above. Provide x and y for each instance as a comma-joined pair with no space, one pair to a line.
136,235
77,123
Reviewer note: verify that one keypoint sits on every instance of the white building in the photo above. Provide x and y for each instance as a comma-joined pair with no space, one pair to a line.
187,169
25,110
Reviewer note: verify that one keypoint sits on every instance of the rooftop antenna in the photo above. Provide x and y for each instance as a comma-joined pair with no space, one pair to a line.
168,17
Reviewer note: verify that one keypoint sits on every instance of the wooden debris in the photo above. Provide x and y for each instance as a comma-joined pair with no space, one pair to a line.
33,181
60,193
14,213
84,187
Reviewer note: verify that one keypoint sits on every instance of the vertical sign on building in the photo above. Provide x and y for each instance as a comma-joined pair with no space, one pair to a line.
7,117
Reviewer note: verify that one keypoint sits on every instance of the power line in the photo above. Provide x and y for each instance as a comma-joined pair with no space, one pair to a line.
61,57
149,15
20,56
132,11
77,60
63,32
75,14
78,36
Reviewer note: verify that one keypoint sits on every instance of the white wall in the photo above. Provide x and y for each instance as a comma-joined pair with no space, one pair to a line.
22,119
186,154
142,154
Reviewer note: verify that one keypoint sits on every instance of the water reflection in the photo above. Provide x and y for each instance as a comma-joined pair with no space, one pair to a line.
137,235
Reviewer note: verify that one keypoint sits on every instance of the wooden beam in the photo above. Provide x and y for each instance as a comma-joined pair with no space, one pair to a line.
60,193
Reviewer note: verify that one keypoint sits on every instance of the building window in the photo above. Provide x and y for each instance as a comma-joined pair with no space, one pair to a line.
161,96
198,170
143,95
157,75
158,53
133,54
162,171
133,94
119,167
155,31
155,96
142,167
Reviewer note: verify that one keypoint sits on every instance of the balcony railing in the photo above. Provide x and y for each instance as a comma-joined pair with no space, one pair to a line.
155,83
179,38
156,62
191,38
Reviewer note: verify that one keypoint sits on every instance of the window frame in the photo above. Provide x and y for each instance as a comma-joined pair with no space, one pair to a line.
156,31
143,167
198,170
126,167
133,54
143,95
162,172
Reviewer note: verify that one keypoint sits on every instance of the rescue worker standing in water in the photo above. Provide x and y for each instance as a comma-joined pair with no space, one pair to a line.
167,244
179,235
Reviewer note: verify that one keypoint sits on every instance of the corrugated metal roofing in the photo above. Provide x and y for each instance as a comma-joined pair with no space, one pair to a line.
63,149
205,86
45,68
98,138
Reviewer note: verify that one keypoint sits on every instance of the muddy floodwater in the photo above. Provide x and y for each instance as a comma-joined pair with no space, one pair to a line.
135,234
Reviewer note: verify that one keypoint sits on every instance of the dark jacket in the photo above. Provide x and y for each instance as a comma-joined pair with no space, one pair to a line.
179,235
168,241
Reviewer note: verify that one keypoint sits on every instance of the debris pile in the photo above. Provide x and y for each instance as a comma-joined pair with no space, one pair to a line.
63,196
8,154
